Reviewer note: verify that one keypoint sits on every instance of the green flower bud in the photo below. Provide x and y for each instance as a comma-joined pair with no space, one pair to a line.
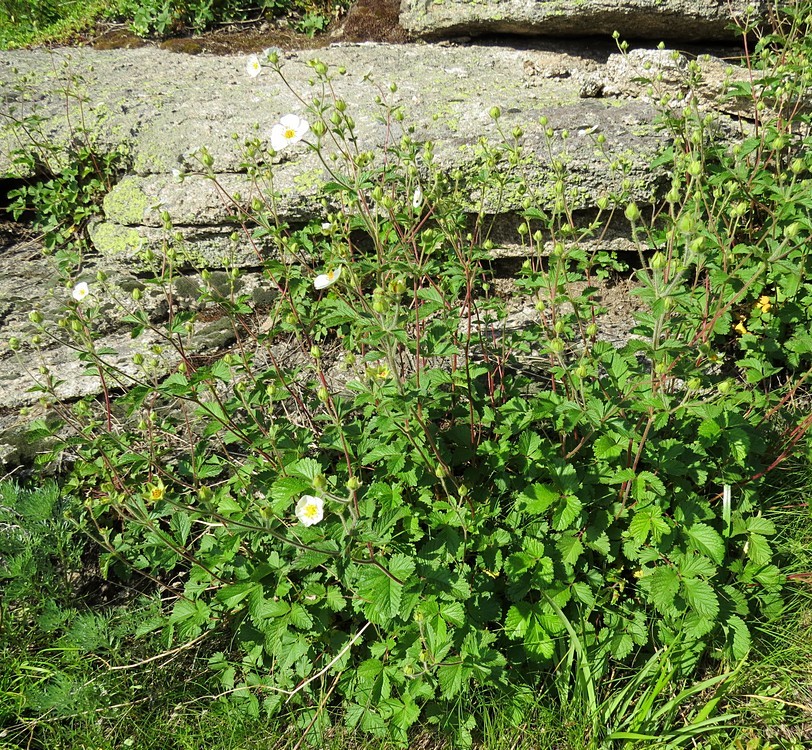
138,359
319,482
592,330
136,294
323,395
724,387
495,113
658,261
353,484
35,316
632,212
14,343
315,352
557,345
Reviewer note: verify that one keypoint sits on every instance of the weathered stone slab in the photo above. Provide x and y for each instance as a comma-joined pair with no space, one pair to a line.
685,20
161,109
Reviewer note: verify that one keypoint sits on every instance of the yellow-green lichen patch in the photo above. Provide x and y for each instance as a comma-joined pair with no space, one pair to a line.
113,239
126,203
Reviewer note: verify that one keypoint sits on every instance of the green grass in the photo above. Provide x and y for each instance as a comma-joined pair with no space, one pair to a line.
43,23
62,649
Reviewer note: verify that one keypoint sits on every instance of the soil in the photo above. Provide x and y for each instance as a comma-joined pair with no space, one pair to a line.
365,21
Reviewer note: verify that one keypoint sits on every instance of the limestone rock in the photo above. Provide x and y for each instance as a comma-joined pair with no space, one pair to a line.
686,20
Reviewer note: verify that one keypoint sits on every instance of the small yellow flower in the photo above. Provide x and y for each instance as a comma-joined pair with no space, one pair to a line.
739,328
156,492
764,304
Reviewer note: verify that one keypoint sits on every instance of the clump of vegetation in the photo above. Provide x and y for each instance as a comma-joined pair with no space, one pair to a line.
46,21
402,509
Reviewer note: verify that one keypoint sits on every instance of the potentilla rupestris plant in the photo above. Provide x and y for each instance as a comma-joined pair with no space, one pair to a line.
390,494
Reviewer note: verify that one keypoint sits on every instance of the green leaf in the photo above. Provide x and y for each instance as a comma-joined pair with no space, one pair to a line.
452,678
648,520
705,539
610,445
663,586
517,620
380,590
570,548
758,549
537,498
741,636
701,597
567,512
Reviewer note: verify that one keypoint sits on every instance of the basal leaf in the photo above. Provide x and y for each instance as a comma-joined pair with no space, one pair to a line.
663,586
740,639
701,597
703,538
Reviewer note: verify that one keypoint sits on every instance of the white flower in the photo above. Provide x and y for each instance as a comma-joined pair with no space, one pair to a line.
323,280
290,129
252,66
269,52
177,175
310,510
417,199
80,291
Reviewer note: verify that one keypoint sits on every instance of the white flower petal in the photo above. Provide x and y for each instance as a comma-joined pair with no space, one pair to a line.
309,510
80,291
278,140
290,129
323,280
417,198
252,66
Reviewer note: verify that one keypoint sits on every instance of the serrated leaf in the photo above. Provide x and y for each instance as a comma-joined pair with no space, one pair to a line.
758,549
286,488
335,600
570,548
740,641
703,538
537,498
452,678
567,512
610,445
701,597
759,525
517,620
382,592
663,586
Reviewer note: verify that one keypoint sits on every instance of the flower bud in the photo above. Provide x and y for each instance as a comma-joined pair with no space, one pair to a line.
14,343
658,261
35,316
323,395
632,212
315,352
353,484
724,387
495,113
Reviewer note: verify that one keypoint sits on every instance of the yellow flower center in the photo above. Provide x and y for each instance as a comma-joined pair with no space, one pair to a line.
311,510
156,493
290,133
